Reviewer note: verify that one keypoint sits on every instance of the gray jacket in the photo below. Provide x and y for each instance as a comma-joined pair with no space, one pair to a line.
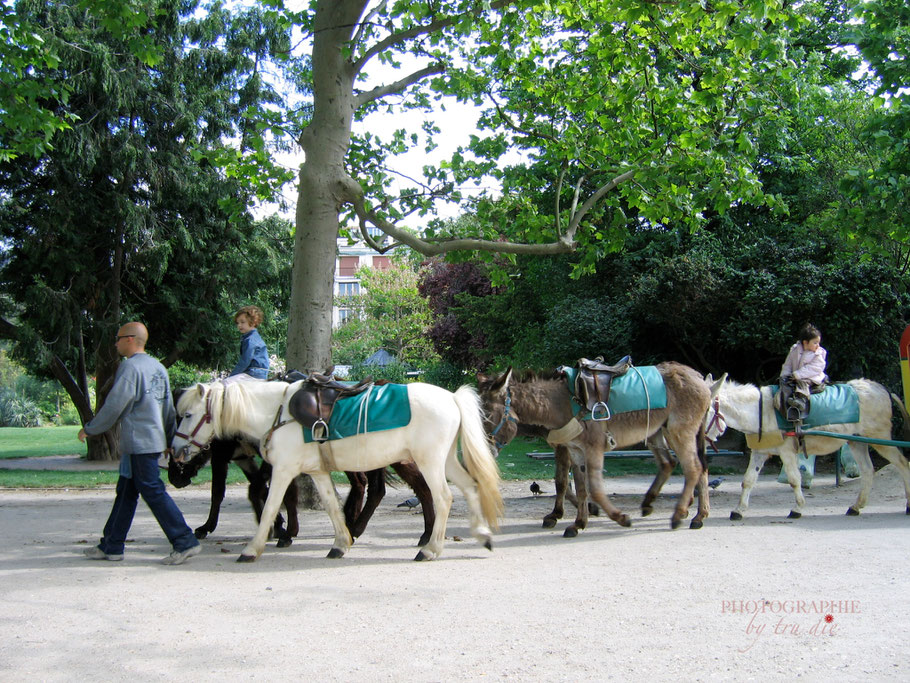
141,400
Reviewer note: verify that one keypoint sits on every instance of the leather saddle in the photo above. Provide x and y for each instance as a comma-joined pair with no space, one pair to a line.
593,382
312,404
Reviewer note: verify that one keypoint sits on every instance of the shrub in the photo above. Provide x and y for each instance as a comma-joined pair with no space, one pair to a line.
18,411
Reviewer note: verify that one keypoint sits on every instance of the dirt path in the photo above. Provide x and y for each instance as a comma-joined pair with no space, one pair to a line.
733,601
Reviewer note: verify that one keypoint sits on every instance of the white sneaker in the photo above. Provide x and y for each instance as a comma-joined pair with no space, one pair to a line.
180,557
96,553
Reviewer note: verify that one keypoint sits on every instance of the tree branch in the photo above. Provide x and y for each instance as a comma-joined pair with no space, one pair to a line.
593,199
398,86
427,248
403,36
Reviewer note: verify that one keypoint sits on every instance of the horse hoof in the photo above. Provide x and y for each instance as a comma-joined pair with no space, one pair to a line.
645,511
593,510
696,524
422,557
624,521
852,512
202,533
335,554
908,509
550,522
674,523
488,544
570,532
284,542
794,514
246,558
736,516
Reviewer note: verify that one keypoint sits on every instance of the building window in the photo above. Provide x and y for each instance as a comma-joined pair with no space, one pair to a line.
381,262
348,288
347,265
344,314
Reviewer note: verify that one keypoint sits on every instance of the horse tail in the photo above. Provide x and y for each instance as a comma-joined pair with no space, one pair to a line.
478,455
905,428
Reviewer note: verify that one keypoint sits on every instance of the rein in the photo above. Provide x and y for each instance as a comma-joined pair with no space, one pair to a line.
506,417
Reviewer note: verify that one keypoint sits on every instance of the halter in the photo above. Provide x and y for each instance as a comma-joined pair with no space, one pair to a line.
506,417
206,419
718,421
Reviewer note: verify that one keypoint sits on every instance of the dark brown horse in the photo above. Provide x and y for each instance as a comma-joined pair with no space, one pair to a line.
357,513
545,403
222,453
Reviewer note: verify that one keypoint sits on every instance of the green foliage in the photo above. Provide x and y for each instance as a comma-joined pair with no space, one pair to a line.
442,374
18,411
389,314
182,375
393,372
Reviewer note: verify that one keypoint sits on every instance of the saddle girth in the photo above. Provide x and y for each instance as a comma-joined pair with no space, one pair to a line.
592,385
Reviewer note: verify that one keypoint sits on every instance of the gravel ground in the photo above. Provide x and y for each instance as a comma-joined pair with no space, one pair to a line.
733,601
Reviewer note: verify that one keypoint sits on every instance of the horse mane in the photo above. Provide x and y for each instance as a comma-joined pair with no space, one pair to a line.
235,403
531,375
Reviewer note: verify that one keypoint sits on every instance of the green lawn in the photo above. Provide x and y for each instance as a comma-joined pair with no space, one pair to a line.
32,442
514,462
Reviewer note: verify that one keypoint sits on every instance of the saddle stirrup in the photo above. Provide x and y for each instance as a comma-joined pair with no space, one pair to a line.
320,431
600,411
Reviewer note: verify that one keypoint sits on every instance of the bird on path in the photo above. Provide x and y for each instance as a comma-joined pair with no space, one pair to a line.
535,488
714,483
409,503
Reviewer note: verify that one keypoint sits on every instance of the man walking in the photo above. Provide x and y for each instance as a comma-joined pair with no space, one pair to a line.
141,401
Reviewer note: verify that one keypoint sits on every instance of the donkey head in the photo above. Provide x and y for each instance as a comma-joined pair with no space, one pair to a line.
500,422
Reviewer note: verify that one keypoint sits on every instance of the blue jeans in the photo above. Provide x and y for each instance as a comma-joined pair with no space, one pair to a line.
146,481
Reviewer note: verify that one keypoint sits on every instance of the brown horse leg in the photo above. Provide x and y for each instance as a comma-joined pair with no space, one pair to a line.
595,484
413,478
696,475
353,504
221,457
665,464
581,505
563,461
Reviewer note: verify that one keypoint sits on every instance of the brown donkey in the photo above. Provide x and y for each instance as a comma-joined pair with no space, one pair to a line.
544,403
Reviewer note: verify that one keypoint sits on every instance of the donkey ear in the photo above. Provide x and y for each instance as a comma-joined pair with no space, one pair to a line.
717,385
502,381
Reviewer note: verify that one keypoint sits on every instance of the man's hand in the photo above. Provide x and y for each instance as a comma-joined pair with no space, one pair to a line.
81,435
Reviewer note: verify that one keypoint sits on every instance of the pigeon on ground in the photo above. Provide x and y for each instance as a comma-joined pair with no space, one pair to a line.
535,488
714,483
409,503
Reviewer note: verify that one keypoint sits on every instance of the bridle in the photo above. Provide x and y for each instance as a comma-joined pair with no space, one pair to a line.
506,417
205,419
717,421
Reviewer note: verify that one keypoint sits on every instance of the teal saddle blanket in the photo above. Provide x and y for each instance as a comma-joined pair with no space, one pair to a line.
836,404
641,388
375,410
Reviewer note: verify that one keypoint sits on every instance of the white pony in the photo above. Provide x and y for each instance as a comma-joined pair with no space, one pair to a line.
737,406
259,410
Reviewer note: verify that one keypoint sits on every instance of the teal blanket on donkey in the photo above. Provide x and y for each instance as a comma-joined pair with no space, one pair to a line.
641,388
838,404
377,409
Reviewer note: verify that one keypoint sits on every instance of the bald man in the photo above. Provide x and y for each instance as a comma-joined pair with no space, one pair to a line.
140,400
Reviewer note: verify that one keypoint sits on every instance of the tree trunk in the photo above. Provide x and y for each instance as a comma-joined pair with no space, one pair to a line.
321,195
